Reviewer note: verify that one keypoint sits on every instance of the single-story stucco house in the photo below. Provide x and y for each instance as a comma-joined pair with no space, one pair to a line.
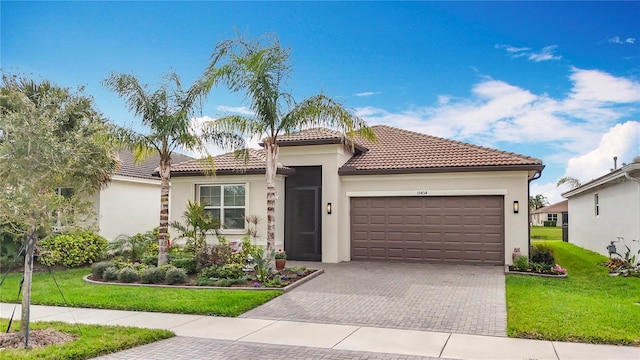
130,204
406,197
551,213
607,208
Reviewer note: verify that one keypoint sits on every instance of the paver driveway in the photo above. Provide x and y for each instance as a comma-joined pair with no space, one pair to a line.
447,298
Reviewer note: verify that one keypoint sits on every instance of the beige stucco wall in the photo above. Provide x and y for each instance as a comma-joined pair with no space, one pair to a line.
184,188
619,216
512,185
128,206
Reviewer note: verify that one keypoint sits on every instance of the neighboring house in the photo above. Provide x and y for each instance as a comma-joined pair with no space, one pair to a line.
131,202
406,197
606,208
552,213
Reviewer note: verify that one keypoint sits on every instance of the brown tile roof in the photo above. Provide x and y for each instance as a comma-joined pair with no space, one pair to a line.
146,168
562,206
226,164
316,136
402,151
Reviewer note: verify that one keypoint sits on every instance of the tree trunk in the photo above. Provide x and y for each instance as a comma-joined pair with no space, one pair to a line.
163,230
271,150
26,285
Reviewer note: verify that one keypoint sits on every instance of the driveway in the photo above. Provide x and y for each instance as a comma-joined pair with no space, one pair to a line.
446,298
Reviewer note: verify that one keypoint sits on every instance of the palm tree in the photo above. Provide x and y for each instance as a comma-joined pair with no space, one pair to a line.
167,112
571,181
259,68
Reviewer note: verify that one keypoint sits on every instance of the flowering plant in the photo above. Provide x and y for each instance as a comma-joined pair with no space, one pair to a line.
281,254
559,269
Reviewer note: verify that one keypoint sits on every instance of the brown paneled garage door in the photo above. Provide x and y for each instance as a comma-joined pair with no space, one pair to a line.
445,229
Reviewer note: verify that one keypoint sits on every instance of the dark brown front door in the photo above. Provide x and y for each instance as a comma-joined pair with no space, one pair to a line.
303,217
445,229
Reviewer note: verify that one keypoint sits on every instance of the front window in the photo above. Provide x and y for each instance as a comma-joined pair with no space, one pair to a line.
552,217
225,203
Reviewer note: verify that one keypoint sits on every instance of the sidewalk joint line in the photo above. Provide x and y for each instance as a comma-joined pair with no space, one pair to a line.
445,345
255,331
554,350
344,338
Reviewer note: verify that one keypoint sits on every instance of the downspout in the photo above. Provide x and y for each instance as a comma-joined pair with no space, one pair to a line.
536,176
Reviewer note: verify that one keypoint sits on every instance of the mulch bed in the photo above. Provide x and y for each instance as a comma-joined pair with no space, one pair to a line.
37,338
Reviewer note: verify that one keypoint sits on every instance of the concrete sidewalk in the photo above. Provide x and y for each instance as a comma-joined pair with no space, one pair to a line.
328,337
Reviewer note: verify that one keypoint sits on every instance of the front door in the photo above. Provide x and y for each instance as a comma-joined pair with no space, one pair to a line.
303,217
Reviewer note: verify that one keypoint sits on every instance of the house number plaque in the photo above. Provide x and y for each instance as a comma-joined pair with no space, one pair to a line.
421,192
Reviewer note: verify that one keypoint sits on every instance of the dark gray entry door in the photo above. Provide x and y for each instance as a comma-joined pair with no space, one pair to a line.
303,217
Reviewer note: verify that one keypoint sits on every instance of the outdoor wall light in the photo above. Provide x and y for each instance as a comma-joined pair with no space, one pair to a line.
329,208
516,207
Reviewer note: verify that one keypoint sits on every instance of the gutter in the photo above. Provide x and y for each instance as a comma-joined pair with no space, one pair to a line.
536,176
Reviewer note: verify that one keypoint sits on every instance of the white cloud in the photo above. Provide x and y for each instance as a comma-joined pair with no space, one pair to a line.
366,93
622,140
618,40
545,54
235,109
595,85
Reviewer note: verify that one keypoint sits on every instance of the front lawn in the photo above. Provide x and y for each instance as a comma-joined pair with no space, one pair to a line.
92,341
182,301
588,306
546,233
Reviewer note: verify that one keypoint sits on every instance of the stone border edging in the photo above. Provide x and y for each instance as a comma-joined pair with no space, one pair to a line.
196,287
509,272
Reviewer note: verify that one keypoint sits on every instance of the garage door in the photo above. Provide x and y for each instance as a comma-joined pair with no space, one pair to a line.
447,229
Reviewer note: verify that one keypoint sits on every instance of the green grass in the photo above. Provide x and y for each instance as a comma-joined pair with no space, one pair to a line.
588,306
182,301
92,341
546,233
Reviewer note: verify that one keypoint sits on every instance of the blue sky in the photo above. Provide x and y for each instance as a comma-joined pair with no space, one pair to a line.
554,80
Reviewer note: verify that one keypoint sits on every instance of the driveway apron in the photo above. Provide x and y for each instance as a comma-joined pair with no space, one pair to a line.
445,298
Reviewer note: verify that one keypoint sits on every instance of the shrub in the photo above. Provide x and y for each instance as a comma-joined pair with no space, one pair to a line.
110,273
164,268
521,263
542,254
175,276
73,249
133,247
221,282
128,275
97,269
151,275
150,259
228,271
549,223
184,261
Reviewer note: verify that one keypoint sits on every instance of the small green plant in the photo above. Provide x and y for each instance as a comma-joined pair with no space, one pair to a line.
197,223
263,263
175,276
228,271
128,275
521,263
110,274
220,282
184,261
151,275
73,249
281,254
98,268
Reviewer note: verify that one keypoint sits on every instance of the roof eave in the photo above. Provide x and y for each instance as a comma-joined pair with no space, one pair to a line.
602,180
348,170
280,171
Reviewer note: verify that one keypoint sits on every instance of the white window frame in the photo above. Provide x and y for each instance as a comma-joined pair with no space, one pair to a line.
551,216
222,207
596,204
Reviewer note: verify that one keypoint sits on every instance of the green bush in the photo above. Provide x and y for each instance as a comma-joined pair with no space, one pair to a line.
134,247
175,276
184,261
151,275
110,274
542,254
220,282
98,268
549,223
150,259
228,271
73,249
521,263
128,275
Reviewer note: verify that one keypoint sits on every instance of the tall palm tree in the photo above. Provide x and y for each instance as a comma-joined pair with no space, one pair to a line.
571,181
259,68
166,112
